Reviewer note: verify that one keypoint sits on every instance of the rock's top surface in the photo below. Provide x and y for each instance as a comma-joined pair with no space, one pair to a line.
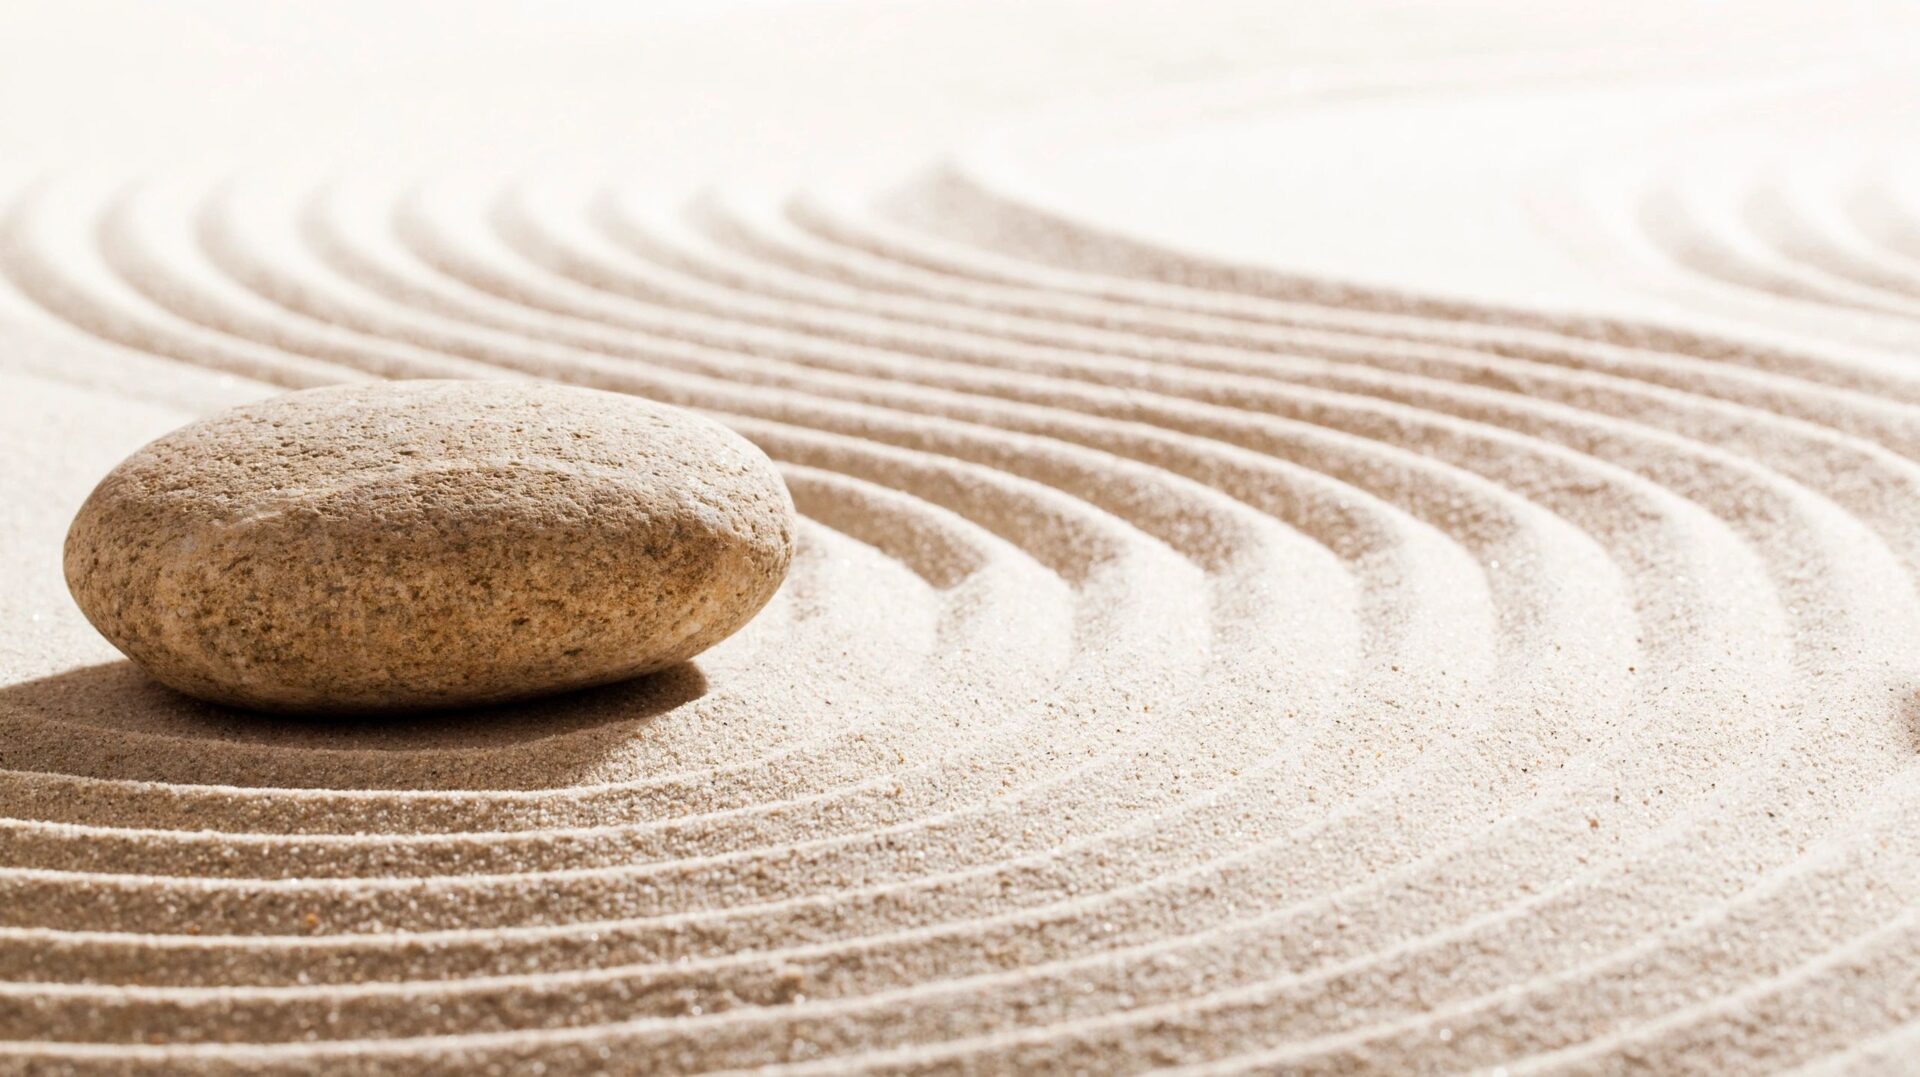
428,543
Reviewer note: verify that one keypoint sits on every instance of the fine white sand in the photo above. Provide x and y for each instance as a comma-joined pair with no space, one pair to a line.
1363,540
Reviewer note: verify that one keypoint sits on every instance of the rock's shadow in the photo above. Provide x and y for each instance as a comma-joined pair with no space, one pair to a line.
112,721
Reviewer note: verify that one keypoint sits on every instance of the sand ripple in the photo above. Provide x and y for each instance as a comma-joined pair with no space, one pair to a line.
1187,664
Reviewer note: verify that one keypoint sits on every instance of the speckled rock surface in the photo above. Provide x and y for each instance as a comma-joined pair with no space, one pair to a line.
428,543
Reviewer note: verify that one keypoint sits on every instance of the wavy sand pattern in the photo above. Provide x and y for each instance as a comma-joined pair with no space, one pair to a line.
1188,664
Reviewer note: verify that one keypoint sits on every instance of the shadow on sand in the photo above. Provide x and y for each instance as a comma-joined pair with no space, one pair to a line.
112,721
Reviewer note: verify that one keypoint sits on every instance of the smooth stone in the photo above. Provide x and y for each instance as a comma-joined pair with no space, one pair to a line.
398,545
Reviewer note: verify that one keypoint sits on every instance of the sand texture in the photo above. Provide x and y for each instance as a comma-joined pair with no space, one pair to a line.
1330,542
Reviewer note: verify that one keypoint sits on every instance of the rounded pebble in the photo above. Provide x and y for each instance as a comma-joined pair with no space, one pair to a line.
398,545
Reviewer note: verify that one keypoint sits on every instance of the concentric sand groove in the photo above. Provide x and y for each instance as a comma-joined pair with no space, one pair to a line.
1187,664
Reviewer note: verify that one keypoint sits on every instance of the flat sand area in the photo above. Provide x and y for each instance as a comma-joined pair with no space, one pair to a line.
1336,538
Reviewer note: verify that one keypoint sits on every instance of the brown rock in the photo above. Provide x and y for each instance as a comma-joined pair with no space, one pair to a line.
428,543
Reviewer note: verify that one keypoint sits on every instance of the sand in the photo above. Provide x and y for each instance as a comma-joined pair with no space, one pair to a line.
1351,542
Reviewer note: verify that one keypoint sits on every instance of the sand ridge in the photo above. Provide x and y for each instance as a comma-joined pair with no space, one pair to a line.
1188,663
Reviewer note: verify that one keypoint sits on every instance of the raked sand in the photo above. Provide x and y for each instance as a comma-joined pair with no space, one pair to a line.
1332,542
